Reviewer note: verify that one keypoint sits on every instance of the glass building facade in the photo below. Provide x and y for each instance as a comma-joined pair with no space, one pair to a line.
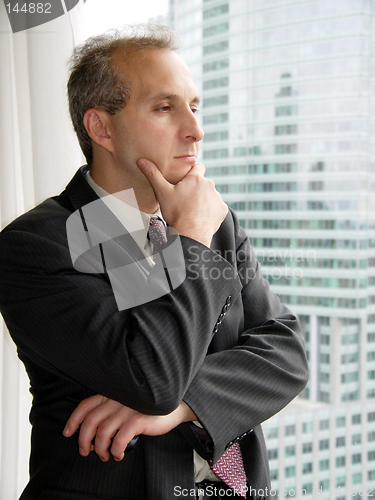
288,110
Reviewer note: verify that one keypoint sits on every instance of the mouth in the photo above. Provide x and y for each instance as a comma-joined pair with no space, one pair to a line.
189,158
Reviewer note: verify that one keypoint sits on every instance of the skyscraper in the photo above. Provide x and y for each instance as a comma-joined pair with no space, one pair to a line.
288,110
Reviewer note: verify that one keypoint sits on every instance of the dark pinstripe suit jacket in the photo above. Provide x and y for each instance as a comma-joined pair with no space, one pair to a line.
74,343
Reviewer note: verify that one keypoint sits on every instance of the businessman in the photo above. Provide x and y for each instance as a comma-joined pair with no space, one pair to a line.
192,372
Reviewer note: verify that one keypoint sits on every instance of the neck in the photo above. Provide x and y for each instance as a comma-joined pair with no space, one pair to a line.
115,180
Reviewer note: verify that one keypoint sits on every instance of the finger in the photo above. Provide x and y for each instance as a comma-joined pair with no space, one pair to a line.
104,434
90,426
121,440
78,415
154,176
198,168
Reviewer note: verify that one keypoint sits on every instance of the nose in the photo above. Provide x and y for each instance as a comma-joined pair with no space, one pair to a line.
191,128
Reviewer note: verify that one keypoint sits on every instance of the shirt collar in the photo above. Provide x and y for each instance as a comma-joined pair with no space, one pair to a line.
134,220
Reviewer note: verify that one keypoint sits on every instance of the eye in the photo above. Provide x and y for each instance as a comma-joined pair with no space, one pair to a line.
163,108
194,110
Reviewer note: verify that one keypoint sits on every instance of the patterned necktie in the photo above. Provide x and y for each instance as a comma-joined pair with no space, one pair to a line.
229,468
157,235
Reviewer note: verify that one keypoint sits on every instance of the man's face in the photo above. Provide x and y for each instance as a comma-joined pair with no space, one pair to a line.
159,122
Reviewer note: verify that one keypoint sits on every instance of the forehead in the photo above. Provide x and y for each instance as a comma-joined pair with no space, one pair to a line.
155,72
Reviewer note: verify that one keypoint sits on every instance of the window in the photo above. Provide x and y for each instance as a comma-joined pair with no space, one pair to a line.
217,82
218,118
274,474
290,430
216,29
324,465
285,110
290,471
215,65
371,417
307,427
340,422
356,439
273,454
357,478
324,424
356,419
290,451
340,461
215,47
307,468
216,136
272,433
356,458
371,456
324,444
340,441
307,447
371,436
215,101
215,11
340,481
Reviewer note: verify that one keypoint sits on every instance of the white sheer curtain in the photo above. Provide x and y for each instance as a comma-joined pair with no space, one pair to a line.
38,155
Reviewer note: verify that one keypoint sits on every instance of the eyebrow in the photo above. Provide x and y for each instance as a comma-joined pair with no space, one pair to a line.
169,97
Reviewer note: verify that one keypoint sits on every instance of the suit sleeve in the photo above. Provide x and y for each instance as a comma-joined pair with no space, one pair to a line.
238,388
68,322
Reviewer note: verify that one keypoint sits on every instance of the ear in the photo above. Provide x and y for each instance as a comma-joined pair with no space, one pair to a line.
96,123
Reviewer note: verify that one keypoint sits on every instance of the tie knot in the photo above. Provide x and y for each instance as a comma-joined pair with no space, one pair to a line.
157,234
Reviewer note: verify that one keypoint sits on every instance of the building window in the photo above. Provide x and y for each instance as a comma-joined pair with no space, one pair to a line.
357,478
340,461
215,11
324,485
324,424
215,65
272,433
222,135
324,444
215,101
356,439
216,83
324,465
340,481
307,489
215,153
307,468
215,30
371,436
285,129
340,441
356,419
290,451
215,47
371,456
371,416
274,474
218,118
285,110
283,149
307,448
307,427
273,454
290,471
356,458
290,430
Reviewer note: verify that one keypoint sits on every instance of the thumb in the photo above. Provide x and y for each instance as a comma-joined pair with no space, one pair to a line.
154,176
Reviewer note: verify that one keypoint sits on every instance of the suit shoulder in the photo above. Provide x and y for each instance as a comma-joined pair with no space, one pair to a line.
51,212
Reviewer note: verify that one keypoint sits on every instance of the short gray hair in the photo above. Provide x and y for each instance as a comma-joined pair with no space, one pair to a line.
94,81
